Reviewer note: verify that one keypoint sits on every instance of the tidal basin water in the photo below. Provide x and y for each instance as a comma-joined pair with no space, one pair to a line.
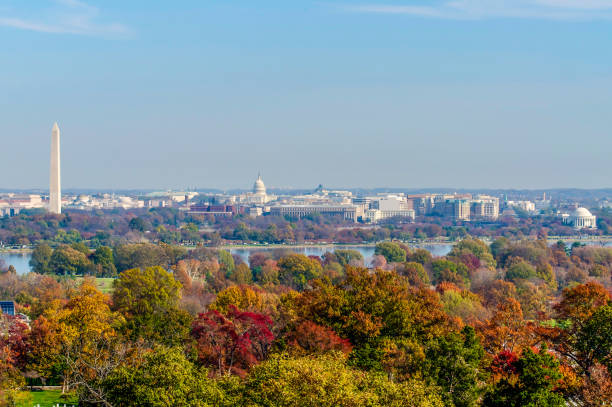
366,251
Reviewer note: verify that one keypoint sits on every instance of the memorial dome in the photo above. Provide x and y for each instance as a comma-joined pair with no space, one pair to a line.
582,218
584,212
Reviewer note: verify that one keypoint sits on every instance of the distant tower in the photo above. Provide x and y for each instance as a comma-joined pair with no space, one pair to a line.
55,190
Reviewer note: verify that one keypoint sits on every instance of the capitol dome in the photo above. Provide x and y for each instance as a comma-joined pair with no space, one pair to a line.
259,188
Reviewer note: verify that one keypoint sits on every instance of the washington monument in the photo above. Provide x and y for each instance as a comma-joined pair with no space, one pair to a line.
55,190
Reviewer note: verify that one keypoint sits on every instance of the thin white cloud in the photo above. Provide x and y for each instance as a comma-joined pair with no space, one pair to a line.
486,9
64,17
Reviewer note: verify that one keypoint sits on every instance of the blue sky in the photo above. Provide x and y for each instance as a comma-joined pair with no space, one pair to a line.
454,93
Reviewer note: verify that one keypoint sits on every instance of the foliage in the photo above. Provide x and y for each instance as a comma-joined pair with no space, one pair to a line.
233,342
296,270
453,364
67,261
149,301
310,338
39,262
326,381
537,375
102,258
164,377
350,257
391,251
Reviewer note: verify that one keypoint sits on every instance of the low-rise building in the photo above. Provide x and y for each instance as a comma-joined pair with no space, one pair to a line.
527,206
349,212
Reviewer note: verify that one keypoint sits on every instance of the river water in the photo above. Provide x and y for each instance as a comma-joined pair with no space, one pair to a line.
21,260
366,251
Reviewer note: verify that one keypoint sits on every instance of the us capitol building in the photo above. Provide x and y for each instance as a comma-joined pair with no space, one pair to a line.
259,195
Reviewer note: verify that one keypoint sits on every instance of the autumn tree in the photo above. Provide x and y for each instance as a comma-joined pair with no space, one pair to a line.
350,257
149,301
391,251
414,272
162,377
326,381
233,342
506,330
242,274
537,375
583,337
310,338
371,309
296,270
64,341
243,297
67,261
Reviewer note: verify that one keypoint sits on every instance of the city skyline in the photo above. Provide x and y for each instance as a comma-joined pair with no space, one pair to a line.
340,93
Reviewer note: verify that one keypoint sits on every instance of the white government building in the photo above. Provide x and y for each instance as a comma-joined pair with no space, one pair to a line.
581,218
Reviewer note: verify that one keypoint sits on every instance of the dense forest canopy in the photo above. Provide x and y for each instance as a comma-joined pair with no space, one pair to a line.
513,323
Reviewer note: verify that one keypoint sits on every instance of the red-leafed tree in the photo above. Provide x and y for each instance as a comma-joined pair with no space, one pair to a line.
310,338
14,339
233,342
504,364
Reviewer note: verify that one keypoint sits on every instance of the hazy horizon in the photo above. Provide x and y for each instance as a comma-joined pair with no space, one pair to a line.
372,94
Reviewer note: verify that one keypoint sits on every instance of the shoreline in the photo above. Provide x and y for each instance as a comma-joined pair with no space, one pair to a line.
17,251
605,240
320,245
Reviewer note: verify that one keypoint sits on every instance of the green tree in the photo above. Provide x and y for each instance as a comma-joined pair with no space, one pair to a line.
138,224
81,247
414,272
446,270
380,313
242,274
325,380
227,262
149,300
520,271
296,270
392,252
476,247
39,262
346,256
537,374
142,255
163,378
452,363
594,340
103,257
67,261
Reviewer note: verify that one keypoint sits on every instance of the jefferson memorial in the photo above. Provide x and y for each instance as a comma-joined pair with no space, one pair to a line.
581,218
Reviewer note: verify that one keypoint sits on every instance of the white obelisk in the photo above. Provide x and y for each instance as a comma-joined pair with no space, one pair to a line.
55,190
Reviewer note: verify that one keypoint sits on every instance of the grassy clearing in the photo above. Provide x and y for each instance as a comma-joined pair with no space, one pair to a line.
48,398
104,284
